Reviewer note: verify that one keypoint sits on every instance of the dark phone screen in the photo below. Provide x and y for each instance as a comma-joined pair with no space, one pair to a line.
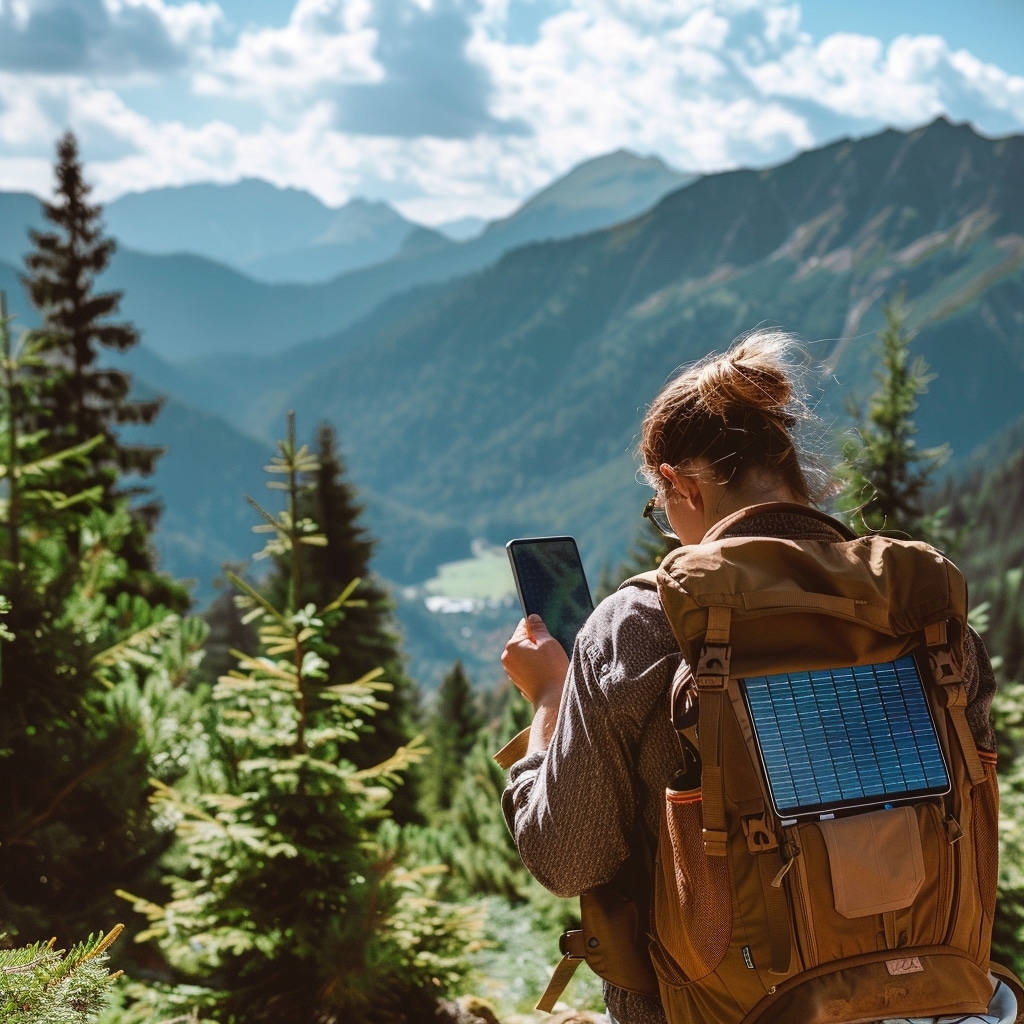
550,581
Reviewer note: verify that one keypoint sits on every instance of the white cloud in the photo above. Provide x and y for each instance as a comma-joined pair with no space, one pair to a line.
104,37
325,42
993,86
189,24
911,81
434,105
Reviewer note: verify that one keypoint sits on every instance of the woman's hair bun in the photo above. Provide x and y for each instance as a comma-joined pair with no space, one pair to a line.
737,410
753,374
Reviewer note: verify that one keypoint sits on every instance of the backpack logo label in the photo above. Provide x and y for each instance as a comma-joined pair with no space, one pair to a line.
908,965
747,958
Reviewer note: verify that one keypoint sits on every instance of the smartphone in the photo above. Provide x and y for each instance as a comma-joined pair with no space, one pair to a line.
550,581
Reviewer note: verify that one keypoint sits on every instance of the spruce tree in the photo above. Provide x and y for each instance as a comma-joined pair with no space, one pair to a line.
886,476
290,903
649,547
43,985
80,399
483,854
454,723
88,670
365,638
886,482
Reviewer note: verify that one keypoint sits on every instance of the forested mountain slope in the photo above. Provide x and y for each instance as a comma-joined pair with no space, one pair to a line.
508,402
984,499
190,306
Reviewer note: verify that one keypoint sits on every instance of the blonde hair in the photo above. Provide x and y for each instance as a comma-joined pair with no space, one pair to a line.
738,411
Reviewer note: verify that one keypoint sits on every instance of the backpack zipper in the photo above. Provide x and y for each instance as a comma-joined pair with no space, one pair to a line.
954,835
807,943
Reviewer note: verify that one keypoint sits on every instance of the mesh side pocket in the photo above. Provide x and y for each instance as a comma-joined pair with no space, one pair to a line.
985,828
692,896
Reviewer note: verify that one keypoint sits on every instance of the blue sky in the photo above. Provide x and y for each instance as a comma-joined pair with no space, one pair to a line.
449,108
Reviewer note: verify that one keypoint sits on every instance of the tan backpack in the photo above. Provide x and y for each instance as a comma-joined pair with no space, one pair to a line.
853,918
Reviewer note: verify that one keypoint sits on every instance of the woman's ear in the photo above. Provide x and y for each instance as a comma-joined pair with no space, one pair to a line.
687,488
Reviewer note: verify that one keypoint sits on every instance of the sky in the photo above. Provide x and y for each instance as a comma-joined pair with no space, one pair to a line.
464,108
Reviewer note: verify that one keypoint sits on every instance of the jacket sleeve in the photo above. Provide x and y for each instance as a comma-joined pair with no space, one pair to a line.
573,809
981,688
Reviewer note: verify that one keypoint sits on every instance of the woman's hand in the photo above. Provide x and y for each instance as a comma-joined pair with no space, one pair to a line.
536,662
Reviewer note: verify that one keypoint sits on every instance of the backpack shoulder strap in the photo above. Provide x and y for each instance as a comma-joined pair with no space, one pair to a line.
645,580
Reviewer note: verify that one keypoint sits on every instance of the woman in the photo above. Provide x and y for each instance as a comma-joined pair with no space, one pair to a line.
718,438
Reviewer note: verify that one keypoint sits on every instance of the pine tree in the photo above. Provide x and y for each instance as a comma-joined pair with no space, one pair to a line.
289,901
365,638
886,489
88,668
78,399
43,985
483,855
470,835
886,477
452,729
645,553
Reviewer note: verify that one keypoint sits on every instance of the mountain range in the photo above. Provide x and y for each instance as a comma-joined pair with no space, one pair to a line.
198,298
494,387
271,234
507,401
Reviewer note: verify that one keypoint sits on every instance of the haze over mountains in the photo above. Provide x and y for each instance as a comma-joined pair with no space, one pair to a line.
190,257
186,263
274,235
494,387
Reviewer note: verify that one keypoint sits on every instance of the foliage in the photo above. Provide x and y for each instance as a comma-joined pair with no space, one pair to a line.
75,400
886,489
43,985
364,638
89,673
517,958
452,729
291,897
512,963
1008,933
91,701
983,507
885,476
645,553
82,398
984,503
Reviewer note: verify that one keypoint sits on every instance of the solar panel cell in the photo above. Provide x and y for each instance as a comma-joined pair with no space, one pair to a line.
836,739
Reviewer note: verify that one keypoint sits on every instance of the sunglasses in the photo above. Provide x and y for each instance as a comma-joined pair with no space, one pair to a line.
657,515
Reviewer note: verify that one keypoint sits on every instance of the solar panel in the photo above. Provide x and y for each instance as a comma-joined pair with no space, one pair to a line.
835,739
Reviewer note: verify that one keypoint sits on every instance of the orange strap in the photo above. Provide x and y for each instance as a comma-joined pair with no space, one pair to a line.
571,944
947,675
712,675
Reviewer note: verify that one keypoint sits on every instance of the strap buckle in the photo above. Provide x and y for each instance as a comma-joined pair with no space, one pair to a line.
570,944
943,668
713,666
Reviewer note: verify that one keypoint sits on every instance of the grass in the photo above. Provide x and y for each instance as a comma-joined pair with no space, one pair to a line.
486,577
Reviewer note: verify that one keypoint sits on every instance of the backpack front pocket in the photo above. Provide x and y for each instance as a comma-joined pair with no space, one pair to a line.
875,860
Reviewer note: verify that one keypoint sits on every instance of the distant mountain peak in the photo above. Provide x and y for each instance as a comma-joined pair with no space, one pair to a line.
603,179
272,233
601,191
